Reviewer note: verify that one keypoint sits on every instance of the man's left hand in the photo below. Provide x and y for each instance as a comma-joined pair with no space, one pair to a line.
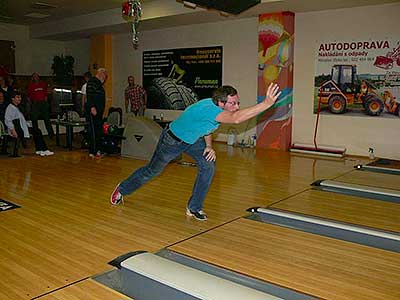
209,153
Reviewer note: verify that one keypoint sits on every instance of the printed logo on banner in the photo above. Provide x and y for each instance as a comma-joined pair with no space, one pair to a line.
6,205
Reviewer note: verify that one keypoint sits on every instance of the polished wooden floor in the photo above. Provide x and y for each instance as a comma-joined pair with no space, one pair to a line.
87,289
66,231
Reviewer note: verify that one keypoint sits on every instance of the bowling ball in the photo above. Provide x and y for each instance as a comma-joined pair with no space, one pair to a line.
106,128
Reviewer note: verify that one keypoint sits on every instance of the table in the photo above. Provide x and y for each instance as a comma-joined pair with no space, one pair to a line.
69,130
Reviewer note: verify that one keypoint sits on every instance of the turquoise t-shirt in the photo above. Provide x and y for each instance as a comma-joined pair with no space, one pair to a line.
196,121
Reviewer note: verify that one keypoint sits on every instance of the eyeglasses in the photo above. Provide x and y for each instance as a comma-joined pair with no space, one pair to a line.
232,103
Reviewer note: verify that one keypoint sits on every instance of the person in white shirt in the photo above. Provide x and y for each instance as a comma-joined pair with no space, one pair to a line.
13,113
86,77
18,128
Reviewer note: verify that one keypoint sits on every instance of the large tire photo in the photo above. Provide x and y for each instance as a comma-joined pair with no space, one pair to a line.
337,104
165,93
373,105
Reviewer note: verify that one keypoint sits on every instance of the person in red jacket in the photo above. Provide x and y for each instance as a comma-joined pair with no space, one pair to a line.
37,93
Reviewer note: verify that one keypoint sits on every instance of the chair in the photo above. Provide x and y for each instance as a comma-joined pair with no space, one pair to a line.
3,138
114,116
2,129
112,140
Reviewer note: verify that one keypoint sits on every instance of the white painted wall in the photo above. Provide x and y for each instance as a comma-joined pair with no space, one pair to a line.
357,134
35,55
239,41
80,51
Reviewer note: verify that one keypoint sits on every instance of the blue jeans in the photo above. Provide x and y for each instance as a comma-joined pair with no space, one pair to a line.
168,149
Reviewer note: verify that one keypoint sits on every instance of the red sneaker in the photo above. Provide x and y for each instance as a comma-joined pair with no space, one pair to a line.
99,155
116,197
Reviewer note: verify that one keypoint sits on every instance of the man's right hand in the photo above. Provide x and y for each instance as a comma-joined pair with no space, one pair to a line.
93,111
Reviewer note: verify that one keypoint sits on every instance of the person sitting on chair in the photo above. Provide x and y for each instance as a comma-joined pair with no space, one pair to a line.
18,128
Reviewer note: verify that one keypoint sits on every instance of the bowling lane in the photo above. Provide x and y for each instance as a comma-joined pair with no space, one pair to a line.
323,267
386,163
380,180
350,209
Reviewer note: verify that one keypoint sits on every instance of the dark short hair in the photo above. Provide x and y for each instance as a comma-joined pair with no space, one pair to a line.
221,94
16,93
87,74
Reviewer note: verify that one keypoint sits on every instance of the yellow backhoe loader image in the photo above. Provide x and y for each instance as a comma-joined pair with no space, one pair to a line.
344,89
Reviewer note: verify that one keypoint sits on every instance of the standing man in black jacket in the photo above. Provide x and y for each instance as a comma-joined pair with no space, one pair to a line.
96,101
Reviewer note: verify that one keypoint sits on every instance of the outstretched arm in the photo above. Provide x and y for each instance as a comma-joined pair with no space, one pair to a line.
247,113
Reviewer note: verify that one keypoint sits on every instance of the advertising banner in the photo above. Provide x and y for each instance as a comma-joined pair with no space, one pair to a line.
358,77
176,78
